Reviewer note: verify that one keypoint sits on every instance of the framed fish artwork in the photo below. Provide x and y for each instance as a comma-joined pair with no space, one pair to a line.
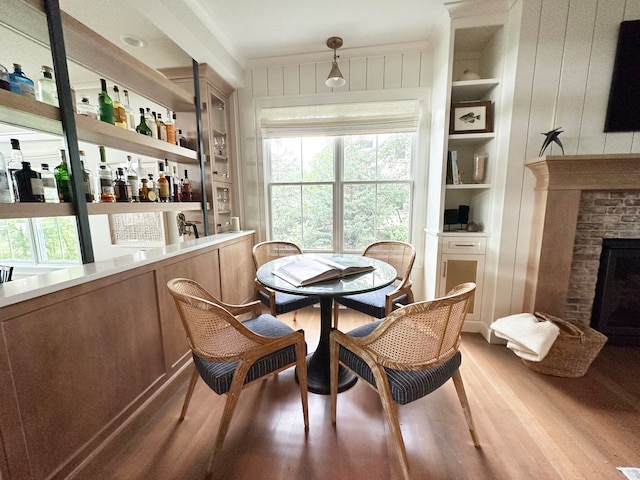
471,117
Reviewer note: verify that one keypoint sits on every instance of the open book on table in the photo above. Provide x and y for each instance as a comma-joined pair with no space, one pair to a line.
310,269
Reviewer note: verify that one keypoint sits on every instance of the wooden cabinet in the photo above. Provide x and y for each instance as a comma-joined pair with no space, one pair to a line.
462,260
217,112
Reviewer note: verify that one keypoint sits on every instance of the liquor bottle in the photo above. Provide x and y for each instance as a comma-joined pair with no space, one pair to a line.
15,164
6,187
171,129
85,108
5,84
119,113
187,194
132,179
63,179
49,185
163,184
107,193
131,119
182,140
162,129
151,122
152,194
87,178
20,83
144,190
176,185
105,104
121,187
47,91
175,126
29,183
142,127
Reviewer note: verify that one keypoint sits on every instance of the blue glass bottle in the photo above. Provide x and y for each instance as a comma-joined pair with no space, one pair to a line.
20,83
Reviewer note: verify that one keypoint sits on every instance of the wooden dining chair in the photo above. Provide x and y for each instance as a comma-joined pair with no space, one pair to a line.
279,302
382,302
230,354
406,356
6,272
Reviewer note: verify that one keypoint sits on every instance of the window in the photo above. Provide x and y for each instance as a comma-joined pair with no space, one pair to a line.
341,193
37,241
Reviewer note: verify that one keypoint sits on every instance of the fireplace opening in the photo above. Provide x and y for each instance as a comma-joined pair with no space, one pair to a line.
616,307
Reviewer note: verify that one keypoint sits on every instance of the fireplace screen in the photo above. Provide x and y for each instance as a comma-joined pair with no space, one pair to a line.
616,308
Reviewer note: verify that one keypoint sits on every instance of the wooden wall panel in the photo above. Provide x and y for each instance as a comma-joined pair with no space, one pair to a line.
291,80
307,78
275,81
358,74
202,268
375,73
393,71
78,363
410,70
259,82
237,272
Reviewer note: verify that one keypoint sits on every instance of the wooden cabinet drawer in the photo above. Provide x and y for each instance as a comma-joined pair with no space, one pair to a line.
470,245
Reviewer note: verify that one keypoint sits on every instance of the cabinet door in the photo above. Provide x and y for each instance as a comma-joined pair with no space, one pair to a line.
457,269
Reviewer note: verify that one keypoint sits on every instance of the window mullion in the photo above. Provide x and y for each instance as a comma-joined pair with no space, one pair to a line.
338,195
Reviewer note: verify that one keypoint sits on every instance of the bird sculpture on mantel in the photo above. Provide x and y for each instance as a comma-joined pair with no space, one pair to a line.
551,137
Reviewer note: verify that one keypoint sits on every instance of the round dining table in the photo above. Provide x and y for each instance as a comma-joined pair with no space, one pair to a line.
318,368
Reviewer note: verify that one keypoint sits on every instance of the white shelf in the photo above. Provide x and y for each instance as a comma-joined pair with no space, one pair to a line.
37,209
468,186
468,90
26,113
470,138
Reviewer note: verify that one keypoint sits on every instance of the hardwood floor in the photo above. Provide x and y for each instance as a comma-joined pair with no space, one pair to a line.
531,426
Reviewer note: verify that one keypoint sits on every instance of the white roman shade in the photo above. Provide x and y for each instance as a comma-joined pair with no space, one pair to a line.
341,119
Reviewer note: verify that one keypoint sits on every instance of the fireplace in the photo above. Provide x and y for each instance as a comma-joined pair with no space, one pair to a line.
616,306
580,201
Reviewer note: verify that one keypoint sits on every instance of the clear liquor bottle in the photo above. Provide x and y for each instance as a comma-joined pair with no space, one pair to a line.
119,112
87,109
151,122
131,119
6,188
107,193
152,194
29,183
63,178
132,179
47,91
162,128
49,184
105,104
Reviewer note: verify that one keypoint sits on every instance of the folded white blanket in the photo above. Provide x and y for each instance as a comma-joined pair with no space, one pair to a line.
528,337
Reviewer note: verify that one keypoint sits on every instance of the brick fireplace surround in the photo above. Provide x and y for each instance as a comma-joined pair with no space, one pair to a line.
579,200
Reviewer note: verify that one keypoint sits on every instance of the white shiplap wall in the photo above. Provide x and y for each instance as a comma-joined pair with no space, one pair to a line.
287,80
565,62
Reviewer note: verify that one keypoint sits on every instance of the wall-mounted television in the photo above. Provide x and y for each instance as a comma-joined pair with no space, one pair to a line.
624,96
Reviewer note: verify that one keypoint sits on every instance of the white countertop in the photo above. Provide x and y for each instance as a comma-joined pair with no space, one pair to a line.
30,287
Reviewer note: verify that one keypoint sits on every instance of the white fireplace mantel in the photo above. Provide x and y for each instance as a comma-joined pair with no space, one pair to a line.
560,181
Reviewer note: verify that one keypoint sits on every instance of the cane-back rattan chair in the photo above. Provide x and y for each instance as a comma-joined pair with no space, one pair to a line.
230,354
382,302
6,272
406,356
278,302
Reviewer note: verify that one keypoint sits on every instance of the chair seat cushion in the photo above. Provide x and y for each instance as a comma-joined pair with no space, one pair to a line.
406,386
287,302
371,303
219,375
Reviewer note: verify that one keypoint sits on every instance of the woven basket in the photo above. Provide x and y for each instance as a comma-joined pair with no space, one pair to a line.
572,352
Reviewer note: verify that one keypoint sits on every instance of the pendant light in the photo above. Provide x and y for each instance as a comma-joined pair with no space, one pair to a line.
335,78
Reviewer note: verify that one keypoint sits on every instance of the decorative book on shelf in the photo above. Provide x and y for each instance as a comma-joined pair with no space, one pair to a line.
309,269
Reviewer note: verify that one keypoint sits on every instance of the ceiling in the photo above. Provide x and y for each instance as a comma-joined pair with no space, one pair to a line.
228,34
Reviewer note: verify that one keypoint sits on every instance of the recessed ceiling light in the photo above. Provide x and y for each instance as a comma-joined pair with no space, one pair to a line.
133,41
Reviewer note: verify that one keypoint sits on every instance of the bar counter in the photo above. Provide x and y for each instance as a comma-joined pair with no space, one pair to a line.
85,349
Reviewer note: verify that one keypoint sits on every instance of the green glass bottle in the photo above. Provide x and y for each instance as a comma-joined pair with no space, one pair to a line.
142,127
105,104
63,179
